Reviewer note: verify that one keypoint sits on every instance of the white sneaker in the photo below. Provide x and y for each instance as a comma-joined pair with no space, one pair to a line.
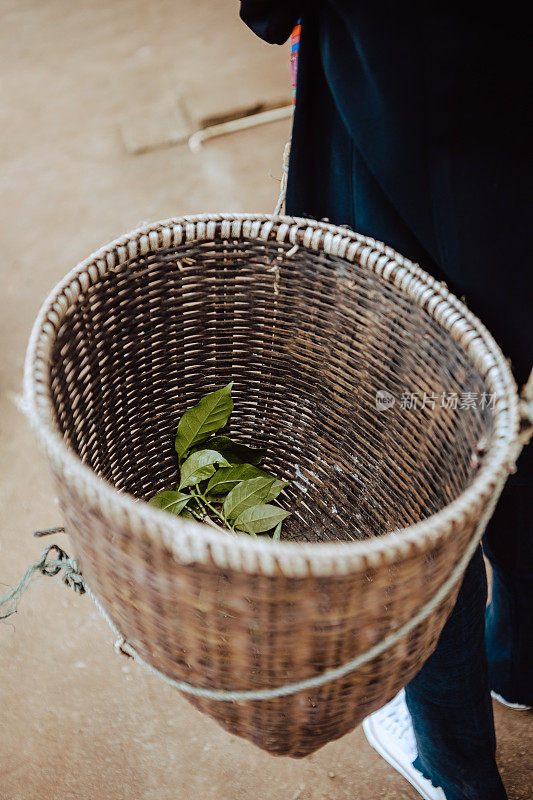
390,732
515,706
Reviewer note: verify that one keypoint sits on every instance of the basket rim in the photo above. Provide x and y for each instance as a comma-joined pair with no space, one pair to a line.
190,541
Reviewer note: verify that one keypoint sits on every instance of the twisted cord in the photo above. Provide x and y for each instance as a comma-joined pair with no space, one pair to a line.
50,566
284,177
73,578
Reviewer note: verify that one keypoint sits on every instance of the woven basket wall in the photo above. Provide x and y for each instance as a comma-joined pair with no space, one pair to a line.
386,501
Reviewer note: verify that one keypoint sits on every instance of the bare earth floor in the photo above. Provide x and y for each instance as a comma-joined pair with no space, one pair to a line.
82,84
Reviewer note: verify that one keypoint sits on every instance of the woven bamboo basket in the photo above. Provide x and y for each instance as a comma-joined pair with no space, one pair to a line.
287,644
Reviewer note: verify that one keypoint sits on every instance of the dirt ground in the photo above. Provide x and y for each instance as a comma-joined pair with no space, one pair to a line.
84,85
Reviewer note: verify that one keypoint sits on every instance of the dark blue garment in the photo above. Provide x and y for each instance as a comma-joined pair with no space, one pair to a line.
508,544
428,106
450,705
449,699
412,125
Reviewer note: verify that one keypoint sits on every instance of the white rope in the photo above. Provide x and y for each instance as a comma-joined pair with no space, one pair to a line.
121,645
284,177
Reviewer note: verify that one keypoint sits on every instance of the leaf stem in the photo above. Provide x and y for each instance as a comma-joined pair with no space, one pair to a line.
222,517
208,521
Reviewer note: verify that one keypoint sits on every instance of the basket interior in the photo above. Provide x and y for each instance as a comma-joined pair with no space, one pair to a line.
308,340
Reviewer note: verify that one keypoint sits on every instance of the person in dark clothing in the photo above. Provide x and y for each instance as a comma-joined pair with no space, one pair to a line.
412,125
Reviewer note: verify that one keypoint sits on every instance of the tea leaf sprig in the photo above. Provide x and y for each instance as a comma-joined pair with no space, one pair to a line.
220,482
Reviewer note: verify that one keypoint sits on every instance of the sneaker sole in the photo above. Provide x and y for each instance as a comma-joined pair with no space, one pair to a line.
507,704
414,777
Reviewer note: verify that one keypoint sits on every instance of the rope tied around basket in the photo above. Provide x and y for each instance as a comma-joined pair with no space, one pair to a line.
73,578
60,562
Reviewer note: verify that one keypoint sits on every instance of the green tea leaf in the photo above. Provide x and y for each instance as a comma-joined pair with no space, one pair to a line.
246,494
226,478
260,518
209,415
171,501
277,487
235,452
276,536
200,466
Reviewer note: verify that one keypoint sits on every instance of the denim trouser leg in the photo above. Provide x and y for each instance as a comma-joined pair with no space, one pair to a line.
449,701
508,544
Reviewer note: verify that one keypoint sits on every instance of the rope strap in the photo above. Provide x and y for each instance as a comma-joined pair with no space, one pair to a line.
284,176
72,577
50,566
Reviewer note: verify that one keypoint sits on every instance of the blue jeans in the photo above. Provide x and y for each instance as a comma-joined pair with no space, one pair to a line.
479,650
